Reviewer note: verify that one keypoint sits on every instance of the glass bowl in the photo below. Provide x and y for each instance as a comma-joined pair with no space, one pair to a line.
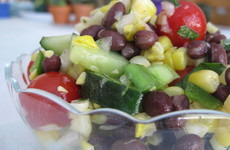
59,125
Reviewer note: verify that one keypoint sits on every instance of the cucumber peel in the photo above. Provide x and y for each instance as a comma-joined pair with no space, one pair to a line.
97,60
57,43
110,93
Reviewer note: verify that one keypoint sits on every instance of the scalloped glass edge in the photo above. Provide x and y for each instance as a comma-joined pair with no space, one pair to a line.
14,83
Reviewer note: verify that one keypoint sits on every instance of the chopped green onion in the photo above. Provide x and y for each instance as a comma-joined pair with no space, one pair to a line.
226,44
188,33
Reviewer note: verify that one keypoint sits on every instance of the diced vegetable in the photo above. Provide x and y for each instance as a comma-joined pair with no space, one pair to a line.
163,74
205,79
140,77
217,67
97,60
36,68
197,94
110,93
57,43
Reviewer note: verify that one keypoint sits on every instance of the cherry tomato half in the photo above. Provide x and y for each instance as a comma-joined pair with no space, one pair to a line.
41,111
188,14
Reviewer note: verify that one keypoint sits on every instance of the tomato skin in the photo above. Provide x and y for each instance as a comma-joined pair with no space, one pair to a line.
51,80
188,14
39,110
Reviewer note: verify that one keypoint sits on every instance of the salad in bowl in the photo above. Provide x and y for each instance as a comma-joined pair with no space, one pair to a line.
141,75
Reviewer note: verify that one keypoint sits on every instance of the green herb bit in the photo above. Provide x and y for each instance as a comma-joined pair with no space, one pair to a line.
188,33
226,44
176,3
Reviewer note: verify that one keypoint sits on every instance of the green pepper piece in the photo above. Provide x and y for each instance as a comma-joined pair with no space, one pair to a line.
217,67
38,63
140,77
197,94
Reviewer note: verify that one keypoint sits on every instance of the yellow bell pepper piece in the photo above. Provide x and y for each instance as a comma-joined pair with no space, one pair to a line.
86,41
145,9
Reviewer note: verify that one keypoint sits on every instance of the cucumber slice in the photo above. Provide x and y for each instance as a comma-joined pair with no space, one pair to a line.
111,93
57,43
97,60
163,74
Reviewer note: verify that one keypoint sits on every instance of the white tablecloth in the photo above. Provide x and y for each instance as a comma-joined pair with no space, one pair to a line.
17,36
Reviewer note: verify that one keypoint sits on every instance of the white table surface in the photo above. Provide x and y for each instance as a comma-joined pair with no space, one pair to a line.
17,36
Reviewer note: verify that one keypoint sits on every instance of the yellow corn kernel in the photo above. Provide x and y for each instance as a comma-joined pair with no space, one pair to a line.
86,146
222,133
173,90
168,57
157,51
137,26
165,42
180,59
226,106
127,29
205,79
148,55
48,54
143,130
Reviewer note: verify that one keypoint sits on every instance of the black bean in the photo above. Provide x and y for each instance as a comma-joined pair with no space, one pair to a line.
218,54
118,40
174,122
197,49
189,142
228,56
180,102
157,103
110,17
222,92
145,39
51,64
128,144
215,38
92,31
100,141
130,50
227,77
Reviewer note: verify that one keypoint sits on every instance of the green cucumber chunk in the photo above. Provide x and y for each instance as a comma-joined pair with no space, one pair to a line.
140,77
197,94
216,67
97,60
37,65
57,43
163,74
110,93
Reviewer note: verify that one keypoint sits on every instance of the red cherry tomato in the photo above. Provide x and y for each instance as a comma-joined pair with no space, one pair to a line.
188,14
41,111
182,74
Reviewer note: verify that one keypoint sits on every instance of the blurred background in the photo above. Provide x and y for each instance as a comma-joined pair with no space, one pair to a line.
216,10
